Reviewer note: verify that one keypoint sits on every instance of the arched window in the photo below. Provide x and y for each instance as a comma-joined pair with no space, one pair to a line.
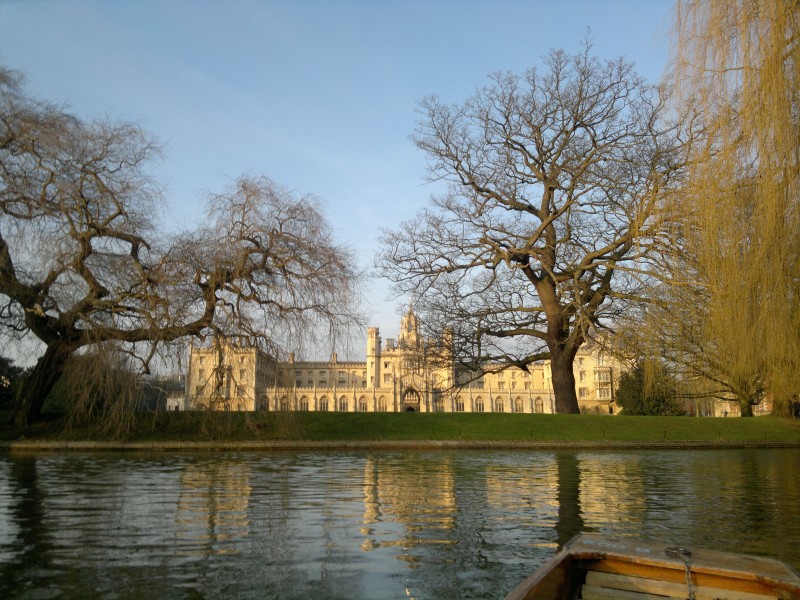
539,404
479,405
459,405
303,403
382,404
498,406
323,404
362,404
285,404
342,404
519,406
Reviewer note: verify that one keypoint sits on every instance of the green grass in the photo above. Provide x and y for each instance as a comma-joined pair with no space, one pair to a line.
198,426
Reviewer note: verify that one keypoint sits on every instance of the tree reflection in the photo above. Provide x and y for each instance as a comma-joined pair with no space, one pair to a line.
570,520
30,551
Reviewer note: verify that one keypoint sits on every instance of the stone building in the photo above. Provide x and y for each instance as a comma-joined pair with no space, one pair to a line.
407,374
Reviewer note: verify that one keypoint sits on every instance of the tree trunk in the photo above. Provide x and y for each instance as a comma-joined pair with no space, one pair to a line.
561,361
37,385
746,407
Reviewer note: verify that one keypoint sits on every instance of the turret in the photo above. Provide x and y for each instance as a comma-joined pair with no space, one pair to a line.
373,357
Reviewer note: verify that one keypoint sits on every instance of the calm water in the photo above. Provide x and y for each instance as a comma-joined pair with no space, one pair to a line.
450,524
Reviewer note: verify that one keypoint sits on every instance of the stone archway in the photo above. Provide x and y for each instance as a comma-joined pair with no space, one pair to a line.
411,401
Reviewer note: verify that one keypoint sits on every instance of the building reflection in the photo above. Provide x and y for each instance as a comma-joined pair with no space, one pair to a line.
407,503
212,511
613,489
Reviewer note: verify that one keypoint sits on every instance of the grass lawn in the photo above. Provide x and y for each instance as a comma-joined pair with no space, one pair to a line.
313,426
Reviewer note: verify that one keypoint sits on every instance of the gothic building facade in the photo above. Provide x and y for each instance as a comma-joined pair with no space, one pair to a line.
407,374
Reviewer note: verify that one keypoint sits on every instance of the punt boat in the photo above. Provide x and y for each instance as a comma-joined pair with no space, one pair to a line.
592,567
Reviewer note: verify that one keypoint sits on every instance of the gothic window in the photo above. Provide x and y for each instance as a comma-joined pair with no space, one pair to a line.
303,403
323,404
459,405
479,405
539,404
498,406
362,404
518,406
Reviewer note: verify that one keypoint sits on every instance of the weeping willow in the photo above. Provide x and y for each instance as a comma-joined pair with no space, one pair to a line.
737,70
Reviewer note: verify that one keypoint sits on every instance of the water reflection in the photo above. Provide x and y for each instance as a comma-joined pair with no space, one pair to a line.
365,525
212,513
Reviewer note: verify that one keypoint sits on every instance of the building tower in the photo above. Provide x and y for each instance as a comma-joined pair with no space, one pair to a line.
373,357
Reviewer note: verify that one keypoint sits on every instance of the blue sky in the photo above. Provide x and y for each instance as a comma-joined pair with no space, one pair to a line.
318,95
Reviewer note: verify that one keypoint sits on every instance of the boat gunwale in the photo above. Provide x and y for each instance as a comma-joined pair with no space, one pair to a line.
585,548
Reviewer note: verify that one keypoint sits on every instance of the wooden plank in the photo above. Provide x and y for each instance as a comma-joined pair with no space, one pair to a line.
678,575
590,592
665,588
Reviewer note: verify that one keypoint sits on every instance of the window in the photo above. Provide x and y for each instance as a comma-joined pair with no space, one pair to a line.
539,405
323,404
479,405
582,375
342,404
459,405
604,393
199,390
513,385
518,405
387,378
386,365
285,404
498,406
304,403
362,404
527,385
382,404
582,392
501,385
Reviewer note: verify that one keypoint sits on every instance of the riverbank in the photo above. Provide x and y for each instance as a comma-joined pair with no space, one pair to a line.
255,446
277,431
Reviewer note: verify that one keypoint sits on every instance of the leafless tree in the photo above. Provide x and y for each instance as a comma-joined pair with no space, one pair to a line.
554,206
82,260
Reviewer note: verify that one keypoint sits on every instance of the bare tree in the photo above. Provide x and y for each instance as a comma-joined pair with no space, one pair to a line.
83,262
556,183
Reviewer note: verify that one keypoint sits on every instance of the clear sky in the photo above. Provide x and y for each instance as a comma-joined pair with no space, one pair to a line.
318,95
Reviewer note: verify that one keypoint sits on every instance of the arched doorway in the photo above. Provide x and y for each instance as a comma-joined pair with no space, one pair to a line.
411,400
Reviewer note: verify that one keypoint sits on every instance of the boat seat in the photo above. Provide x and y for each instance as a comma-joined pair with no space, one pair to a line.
611,586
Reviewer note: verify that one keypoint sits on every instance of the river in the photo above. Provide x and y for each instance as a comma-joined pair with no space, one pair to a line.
406,524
